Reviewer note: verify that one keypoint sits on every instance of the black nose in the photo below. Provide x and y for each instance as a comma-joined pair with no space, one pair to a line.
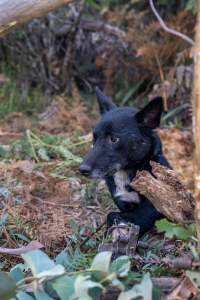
85,169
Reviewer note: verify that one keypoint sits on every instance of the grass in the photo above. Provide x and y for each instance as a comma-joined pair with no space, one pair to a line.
12,98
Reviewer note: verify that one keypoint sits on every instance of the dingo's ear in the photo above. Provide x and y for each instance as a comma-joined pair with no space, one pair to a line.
150,115
105,102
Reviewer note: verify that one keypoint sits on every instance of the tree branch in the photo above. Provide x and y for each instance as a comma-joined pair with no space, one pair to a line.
166,28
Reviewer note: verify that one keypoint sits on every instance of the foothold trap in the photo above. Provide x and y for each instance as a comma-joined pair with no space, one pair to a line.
124,240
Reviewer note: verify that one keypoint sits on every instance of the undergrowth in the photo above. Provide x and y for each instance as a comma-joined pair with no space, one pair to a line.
74,274
15,98
78,272
45,148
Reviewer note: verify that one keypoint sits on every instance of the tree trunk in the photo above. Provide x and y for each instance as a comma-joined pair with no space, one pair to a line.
196,122
16,12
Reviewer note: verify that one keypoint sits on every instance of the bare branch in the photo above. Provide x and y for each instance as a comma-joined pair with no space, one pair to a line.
166,28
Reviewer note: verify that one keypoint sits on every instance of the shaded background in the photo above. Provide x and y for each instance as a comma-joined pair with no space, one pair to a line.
117,45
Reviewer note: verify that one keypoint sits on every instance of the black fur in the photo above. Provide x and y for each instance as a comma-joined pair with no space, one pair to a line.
124,142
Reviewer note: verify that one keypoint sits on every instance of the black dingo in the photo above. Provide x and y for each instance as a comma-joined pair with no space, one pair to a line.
124,142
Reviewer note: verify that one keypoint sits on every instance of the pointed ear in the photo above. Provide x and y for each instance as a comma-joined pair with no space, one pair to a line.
105,102
150,115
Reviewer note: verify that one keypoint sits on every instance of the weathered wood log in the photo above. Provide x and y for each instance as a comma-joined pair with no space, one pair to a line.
165,190
196,122
13,13
185,290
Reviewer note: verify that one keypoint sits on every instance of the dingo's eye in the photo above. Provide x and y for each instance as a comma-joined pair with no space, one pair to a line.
113,139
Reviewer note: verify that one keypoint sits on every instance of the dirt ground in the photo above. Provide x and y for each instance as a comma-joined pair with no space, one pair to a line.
39,203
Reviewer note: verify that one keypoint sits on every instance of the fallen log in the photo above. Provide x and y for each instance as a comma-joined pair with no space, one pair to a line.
16,12
164,189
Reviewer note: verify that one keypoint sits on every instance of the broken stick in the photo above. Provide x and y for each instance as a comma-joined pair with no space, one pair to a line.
166,192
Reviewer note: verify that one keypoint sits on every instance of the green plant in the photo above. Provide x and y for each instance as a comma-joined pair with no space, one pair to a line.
41,278
171,230
3,221
11,97
79,234
182,4
191,5
44,148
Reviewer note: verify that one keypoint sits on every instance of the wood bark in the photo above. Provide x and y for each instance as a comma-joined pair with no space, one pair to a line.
196,122
13,13
165,190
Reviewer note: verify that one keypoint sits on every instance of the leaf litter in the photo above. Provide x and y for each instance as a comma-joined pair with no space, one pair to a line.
42,191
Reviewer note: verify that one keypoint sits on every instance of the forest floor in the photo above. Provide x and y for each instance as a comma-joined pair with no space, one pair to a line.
44,197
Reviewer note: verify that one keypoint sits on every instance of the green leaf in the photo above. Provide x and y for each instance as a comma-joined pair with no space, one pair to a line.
117,283
4,219
22,237
121,266
17,272
38,261
83,285
24,296
142,290
192,5
128,295
42,153
41,295
8,286
145,287
157,294
63,258
165,226
3,152
193,229
56,271
194,277
181,233
64,286
68,155
130,93
74,226
101,262
194,251
175,230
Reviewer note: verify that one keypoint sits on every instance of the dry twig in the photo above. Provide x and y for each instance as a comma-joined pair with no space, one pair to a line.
166,28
